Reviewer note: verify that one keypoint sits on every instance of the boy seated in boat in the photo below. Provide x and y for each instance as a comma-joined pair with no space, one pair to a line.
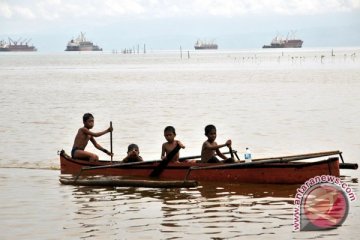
167,147
210,148
133,154
82,138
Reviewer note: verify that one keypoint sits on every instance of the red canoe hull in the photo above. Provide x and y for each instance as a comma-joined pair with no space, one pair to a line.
279,173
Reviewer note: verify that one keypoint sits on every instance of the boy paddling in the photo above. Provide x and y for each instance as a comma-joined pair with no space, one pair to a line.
210,148
82,138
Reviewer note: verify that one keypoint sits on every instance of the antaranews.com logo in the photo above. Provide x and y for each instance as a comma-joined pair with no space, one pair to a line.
321,203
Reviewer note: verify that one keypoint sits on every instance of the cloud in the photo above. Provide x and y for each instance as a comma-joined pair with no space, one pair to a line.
5,10
309,7
115,9
24,12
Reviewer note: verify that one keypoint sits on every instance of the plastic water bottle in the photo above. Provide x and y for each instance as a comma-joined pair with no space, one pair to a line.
247,155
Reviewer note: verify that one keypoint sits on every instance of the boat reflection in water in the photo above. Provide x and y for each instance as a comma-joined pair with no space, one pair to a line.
209,210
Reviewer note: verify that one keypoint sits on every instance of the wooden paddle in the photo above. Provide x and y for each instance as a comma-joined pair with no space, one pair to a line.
231,153
162,165
111,145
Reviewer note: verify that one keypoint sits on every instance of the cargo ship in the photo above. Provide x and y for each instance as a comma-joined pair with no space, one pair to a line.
16,46
81,44
279,42
200,45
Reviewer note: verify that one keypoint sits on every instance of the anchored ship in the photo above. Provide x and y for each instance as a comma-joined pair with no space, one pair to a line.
81,44
279,42
205,45
16,46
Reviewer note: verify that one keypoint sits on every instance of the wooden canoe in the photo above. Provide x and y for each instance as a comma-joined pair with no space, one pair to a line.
272,170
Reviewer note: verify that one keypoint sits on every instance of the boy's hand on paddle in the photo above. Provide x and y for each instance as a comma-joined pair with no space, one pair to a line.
228,143
110,129
107,152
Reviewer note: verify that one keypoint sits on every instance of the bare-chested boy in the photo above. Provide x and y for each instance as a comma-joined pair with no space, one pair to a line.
82,138
210,148
169,134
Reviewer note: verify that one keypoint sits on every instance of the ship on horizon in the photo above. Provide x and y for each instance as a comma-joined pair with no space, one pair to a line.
288,42
81,44
16,46
201,45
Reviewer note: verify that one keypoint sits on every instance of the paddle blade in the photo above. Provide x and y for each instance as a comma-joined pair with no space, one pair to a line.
162,165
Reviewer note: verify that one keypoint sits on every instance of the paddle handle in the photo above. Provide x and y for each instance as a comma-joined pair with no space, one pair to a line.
111,143
231,153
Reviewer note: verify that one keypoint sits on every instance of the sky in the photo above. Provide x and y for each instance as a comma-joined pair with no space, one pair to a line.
168,24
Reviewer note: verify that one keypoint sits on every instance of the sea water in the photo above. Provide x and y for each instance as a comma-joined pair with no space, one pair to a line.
301,101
